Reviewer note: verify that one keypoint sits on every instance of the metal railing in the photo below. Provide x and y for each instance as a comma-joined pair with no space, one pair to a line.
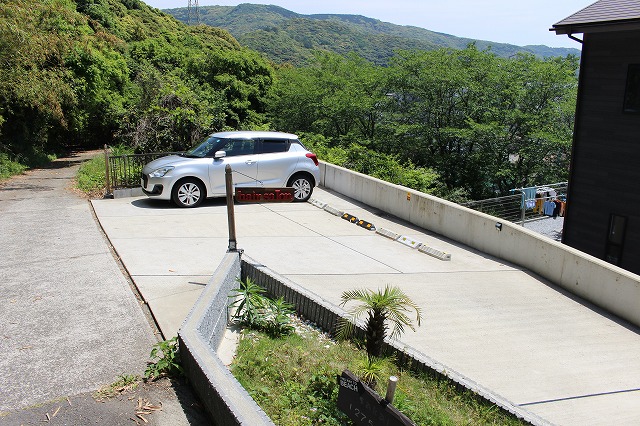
123,171
511,207
507,207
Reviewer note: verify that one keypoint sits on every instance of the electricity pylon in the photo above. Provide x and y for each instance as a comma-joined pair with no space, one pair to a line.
193,14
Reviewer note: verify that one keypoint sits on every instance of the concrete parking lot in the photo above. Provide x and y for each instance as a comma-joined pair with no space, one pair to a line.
493,322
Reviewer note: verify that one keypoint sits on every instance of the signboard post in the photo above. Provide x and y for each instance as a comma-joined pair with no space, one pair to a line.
364,406
231,217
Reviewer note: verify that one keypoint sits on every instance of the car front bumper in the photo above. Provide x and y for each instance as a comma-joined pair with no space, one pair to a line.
154,187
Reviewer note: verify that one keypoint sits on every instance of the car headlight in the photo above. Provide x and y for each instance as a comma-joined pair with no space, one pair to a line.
160,172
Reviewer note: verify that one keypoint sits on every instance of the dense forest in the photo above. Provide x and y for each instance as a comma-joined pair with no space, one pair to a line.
459,123
89,72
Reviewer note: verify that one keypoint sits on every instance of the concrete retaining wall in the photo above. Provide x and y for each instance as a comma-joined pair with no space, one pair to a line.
226,401
605,285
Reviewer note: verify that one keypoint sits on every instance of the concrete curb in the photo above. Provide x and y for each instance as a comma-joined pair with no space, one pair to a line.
227,402
127,192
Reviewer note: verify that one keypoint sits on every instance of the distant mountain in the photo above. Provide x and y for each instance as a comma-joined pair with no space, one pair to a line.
285,36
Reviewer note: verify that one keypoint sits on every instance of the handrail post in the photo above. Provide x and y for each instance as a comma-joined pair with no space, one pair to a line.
107,172
523,207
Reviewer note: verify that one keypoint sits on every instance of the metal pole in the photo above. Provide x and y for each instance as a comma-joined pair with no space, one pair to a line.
391,389
233,245
523,207
107,172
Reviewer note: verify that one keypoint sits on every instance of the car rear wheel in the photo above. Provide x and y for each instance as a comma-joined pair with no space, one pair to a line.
302,186
188,193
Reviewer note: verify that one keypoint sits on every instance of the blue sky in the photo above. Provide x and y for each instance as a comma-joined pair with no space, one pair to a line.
507,21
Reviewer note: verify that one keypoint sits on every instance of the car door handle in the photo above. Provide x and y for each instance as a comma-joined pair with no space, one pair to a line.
249,162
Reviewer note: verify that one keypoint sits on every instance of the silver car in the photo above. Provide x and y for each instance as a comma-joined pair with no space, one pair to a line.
263,159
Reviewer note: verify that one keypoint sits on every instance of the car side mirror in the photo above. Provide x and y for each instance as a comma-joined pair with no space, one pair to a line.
219,154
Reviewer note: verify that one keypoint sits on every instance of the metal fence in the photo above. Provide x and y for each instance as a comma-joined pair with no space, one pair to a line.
511,207
123,171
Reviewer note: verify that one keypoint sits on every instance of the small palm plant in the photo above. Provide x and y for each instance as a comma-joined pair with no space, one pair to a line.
391,305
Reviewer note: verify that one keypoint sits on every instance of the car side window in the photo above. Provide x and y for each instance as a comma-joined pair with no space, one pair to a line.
274,145
235,147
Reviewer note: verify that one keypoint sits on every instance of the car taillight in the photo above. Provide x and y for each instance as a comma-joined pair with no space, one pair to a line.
313,157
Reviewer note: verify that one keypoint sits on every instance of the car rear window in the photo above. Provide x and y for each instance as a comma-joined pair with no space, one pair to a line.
274,145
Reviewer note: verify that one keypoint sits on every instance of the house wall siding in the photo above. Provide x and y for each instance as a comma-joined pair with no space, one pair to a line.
605,175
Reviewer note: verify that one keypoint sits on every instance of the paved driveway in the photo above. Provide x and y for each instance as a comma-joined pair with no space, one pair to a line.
491,321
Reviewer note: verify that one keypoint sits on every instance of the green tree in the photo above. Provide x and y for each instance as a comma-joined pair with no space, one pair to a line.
390,305
335,96
484,123
35,87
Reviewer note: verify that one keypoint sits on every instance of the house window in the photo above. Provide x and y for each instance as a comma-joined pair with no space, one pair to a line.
615,239
632,90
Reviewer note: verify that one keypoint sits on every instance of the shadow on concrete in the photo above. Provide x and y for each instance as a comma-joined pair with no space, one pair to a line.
583,302
150,203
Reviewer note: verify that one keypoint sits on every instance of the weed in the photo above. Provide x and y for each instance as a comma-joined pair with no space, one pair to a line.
277,321
249,305
369,370
252,309
123,383
165,360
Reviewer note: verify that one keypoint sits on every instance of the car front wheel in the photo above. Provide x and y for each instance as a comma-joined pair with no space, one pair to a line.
302,187
188,193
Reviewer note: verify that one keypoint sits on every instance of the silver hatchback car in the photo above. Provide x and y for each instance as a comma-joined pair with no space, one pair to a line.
264,159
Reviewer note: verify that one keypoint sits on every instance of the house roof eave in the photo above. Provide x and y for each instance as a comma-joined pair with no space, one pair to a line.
596,27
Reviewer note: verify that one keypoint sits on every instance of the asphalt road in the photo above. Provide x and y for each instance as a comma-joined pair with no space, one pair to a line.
70,322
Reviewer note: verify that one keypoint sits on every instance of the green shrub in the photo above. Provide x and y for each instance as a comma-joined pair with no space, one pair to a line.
361,159
9,168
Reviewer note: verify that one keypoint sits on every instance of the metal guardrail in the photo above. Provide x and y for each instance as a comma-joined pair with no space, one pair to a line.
510,207
123,171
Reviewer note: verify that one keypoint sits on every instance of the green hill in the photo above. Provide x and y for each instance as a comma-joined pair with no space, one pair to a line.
285,36
94,72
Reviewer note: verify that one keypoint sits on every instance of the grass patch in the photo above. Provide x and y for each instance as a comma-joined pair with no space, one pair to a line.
293,379
123,383
91,174
9,167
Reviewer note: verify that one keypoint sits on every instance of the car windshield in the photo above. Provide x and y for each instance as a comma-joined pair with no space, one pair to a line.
207,148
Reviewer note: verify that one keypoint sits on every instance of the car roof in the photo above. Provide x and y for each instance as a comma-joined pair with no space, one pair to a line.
250,134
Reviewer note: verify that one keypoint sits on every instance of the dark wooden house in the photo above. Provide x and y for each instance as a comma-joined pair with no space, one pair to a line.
603,210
